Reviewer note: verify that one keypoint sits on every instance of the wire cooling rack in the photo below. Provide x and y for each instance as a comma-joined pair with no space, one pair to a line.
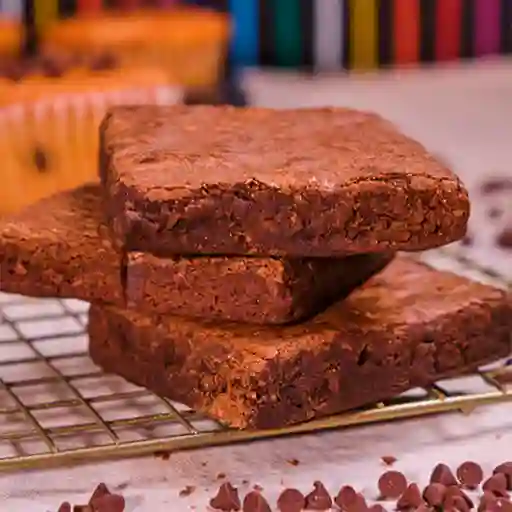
56,407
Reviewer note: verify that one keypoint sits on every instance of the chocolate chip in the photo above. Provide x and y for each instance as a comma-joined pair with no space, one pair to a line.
499,505
410,498
454,490
64,507
497,484
442,474
187,491
83,508
434,494
162,454
377,507
291,500
40,160
100,491
227,499
389,460
346,497
505,469
293,462
257,487
392,484
504,239
485,500
497,184
470,474
456,502
221,476
255,502
318,498
109,503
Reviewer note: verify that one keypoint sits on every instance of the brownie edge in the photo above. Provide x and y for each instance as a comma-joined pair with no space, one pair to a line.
407,326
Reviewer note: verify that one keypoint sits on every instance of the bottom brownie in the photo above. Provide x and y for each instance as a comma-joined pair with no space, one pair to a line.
406,327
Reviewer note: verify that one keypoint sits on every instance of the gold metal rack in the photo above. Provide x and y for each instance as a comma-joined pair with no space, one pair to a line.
56,407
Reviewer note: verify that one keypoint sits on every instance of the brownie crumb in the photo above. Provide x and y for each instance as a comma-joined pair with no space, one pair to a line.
255,502
318,498
221,476
442,474
504,239
505,468
293,462
392,484
470,475
388,460
410,498
227,499
187,491
291,500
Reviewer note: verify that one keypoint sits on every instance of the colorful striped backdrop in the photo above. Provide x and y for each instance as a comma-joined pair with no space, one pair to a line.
336,34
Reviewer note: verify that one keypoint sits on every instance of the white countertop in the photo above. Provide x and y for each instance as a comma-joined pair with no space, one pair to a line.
463,114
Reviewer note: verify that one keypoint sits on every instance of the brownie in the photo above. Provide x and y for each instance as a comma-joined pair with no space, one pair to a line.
310,182
407,326
60,247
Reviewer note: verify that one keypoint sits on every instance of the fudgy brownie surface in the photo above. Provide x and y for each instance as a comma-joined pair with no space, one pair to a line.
407,326
61,247
310,182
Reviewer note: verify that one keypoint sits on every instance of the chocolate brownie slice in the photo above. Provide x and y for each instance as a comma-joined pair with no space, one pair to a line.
310,182
60,247
406,327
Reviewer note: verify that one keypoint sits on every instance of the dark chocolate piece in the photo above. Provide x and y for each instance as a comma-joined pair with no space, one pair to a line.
392,484
497,484
227,499
455,490
319,498
407,327
64,507
470,474
346,498
255,502
442,474
100,491
291,500
60,247
505,468
388,460
455,502
499,505
434,494
410,498
307,182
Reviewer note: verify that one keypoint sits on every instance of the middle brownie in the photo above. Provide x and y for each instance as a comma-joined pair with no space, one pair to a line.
60,247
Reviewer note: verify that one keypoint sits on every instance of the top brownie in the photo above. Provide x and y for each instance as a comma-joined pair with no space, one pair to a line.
307,182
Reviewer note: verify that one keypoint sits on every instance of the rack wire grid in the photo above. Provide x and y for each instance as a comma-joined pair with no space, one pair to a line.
57,407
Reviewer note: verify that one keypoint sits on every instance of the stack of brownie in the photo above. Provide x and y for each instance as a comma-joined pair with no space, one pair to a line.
242,261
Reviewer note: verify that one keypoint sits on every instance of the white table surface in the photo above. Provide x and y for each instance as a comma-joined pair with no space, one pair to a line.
464,114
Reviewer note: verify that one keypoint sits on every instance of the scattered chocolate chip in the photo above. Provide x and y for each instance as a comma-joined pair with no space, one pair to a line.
82,508
318,498
257,487
161,454
504,239
442,474
389,460
291,500
485,500
455,490
470,474
497,484
221,476
187,491
40,160
494,213
255,502
227,499
500,505
293,462
434,494
346,497
392,484
497,184
245,481
100,491
64,507
505,469
377,507
410,498
456,502
109,503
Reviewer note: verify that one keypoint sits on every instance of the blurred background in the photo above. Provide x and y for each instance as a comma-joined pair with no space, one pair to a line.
438,68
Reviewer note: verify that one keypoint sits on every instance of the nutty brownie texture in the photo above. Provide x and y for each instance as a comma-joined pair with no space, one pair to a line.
407,326
310,182
60,247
